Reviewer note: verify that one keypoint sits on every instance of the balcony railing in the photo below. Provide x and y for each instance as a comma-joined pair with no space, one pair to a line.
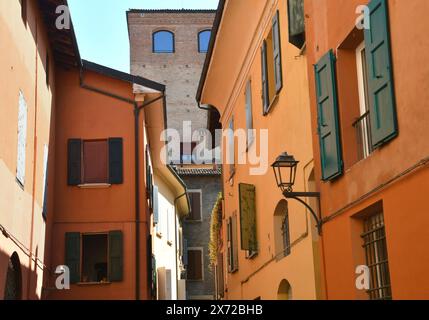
363,136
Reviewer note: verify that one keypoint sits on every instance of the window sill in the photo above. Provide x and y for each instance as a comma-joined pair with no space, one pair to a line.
272,104
88,284
94,186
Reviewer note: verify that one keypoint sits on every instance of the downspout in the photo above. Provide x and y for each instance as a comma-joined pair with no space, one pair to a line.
136,110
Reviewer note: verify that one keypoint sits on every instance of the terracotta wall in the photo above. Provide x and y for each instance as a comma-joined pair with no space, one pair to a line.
89,115
328,25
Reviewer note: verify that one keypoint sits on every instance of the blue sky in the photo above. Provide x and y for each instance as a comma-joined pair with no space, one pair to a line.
101,26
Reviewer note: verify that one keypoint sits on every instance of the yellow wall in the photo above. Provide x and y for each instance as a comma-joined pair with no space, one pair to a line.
236,59
22,61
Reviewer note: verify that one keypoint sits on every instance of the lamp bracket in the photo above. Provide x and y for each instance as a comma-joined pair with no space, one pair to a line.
298,195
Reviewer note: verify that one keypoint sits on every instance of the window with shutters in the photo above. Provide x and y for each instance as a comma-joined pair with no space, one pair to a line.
95,257
22,139
187,152
195,197
272,74
195,269
92,162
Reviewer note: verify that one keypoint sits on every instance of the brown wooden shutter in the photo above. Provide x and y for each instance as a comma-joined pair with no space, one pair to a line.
116,161
74,162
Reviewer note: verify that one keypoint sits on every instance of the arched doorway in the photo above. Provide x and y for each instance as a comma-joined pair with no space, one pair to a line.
13,287
285,291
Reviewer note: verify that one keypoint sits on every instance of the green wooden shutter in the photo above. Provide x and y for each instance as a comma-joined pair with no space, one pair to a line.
384,124
116,256
116,161
249,240
328,124
278,74
73,256
265,88
74,162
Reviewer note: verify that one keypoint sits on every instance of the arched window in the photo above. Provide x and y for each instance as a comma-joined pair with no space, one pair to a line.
204,40
285,291
281,230
163,42
13,287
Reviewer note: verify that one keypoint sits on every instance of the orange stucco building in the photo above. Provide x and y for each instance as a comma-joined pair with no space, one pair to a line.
369,93
256,78
96,126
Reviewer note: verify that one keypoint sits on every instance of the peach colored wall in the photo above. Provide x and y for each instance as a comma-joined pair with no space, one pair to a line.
22,60
88,115
328,24
236,60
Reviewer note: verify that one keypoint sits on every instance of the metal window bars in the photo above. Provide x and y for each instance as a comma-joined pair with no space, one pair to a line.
362,126
374,237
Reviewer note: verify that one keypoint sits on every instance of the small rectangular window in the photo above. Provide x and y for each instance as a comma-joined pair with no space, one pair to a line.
374,237
94,258
195,264
195,198
95,161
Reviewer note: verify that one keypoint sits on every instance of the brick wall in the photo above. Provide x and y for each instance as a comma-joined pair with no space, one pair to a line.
179,71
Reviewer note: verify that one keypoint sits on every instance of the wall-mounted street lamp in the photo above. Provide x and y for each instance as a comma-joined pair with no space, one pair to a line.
285,168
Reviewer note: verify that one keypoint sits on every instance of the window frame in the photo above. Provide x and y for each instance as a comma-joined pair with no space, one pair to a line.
88,234
84,182
199,40
201,249
173,42
362,124
200,192
374,246
22,134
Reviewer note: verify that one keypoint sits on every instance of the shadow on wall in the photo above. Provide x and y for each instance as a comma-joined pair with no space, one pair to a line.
13,278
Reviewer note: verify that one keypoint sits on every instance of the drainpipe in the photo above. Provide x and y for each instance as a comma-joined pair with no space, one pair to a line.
136,110
209,108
